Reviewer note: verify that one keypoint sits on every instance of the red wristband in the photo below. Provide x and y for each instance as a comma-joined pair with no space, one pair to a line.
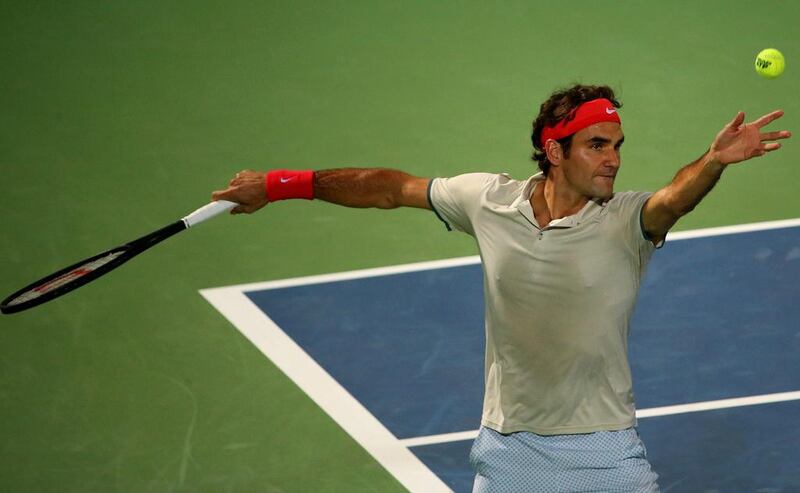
285,184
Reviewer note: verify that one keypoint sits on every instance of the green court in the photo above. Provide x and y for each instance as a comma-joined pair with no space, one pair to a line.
117,118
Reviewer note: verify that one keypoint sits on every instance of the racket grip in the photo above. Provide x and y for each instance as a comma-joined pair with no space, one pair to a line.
207,212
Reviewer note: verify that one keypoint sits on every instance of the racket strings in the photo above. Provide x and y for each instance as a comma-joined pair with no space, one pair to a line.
65,278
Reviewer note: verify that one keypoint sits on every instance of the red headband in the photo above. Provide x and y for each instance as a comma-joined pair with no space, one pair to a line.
589,113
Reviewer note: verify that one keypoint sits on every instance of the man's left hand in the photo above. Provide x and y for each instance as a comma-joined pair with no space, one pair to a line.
739,141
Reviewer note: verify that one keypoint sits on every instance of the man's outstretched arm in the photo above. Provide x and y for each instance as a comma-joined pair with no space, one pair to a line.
351,187
736,142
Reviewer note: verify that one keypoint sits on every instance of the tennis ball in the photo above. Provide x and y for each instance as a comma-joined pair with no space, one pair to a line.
770,63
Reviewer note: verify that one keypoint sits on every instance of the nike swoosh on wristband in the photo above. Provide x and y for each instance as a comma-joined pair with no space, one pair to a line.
610,111
287,180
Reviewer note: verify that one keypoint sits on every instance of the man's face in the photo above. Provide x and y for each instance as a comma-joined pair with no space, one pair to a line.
594,160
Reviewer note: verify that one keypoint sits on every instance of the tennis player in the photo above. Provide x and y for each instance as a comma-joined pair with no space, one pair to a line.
563,257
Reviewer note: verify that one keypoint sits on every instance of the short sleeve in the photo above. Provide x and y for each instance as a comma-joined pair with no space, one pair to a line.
628,207
456,200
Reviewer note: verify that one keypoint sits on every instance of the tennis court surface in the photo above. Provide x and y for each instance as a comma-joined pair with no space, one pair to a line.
118,117
395,356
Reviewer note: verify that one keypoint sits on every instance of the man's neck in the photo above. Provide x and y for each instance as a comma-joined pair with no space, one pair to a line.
551,200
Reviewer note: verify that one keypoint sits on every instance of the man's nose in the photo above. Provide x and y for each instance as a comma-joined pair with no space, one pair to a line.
613,158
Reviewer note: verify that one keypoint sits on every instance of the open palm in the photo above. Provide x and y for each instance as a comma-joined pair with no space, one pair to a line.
739,141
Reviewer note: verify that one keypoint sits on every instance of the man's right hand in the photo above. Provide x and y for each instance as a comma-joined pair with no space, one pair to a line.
246,189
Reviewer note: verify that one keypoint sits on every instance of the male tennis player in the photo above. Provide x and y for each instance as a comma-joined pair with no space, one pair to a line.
563,256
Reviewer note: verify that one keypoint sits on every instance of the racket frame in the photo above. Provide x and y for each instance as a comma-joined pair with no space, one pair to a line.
130,250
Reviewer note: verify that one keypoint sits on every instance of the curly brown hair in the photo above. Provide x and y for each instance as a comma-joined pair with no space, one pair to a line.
560,105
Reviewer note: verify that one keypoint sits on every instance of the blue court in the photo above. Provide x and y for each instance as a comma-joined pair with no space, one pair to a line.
718,318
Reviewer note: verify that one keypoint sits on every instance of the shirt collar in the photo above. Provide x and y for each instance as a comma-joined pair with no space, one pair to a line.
523,204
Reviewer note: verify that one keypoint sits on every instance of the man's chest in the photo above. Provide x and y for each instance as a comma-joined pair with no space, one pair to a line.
585,260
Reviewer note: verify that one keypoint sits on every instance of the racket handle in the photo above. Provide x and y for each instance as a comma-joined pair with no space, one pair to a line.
207,212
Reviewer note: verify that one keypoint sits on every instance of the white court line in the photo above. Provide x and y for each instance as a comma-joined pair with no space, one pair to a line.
475,259
393,454
323,389
458,436
640,413
738,228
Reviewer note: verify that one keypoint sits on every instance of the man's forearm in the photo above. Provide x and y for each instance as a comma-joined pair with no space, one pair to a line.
681,196
367,187
692,183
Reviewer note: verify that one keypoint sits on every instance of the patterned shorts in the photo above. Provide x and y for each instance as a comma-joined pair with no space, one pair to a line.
606,461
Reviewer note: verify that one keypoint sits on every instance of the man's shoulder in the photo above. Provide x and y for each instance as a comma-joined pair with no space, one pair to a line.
490,184
627,202
482,177
621,198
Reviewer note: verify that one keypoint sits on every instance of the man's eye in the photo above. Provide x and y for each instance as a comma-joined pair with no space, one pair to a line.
597,146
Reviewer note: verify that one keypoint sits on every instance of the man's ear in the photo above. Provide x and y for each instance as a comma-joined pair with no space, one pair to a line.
555,154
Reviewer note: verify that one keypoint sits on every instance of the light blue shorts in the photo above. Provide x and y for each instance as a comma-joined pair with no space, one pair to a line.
606,461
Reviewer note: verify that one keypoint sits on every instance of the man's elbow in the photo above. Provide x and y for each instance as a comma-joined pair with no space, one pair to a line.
387,201
674,206
680,209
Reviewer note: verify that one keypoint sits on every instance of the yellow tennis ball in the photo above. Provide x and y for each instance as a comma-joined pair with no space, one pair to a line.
770,63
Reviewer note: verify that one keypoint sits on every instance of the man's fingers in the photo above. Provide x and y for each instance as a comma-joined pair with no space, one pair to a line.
772,146
769,117
783,134
222,194
737,120
246,189
226,195
246,209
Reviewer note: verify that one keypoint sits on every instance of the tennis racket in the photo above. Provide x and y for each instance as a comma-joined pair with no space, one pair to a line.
76,275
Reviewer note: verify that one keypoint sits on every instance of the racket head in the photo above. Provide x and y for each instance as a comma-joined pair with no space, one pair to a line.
67,279
80,273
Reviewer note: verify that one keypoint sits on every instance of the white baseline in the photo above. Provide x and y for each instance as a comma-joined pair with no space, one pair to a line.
641,413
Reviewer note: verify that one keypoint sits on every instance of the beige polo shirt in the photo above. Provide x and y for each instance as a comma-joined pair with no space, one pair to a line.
558,303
